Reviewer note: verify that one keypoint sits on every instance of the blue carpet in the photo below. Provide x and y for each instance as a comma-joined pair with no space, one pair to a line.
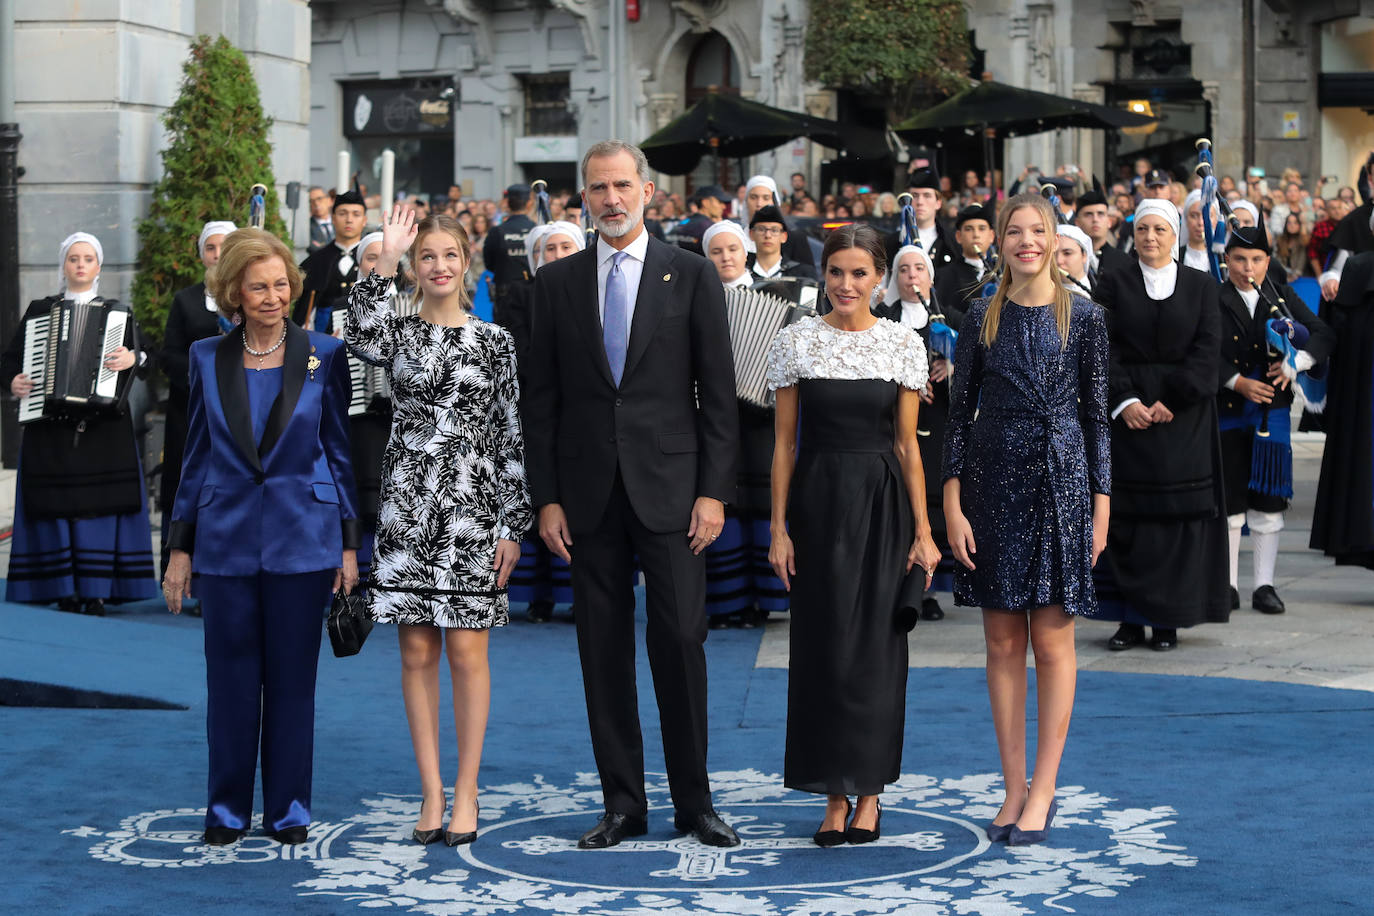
1177,794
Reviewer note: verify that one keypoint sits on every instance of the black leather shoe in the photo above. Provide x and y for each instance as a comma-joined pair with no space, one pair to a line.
426,837
708,828
857,836
1267,601
611,829
718,621
1127,636
1162,640
93,607
221,836
69,605
1235,598
292,836
931,610
540,611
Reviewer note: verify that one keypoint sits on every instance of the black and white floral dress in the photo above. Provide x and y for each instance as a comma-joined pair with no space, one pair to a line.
453,476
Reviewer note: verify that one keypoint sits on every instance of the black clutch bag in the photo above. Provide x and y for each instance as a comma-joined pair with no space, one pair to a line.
908,609
348,624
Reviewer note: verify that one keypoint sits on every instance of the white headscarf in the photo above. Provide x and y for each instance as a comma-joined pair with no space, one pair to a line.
1081,237
539,235
762,181
214,227
67,244
1249,208
724,225
893,293
1164,209
367,242
1194,197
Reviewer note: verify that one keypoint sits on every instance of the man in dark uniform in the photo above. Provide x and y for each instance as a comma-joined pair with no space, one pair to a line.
924,187
1092,218
708,204
505,253
329,272
761,191
1254,395
960,282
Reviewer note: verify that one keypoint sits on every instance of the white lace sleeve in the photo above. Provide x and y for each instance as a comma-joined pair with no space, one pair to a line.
915,368
783,371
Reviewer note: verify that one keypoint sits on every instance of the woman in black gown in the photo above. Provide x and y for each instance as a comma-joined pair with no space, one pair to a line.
1166,564
848,523
1027,484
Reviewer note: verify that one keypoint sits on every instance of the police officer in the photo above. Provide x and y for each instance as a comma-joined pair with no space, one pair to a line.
504,251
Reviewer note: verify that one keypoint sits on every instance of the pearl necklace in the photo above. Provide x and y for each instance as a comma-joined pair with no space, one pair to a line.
263,354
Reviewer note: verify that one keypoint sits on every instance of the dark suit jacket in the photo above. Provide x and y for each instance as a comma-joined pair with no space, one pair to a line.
1245,349
187,322
671,428
957,284
285,505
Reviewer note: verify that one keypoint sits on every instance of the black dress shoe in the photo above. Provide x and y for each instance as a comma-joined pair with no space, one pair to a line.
708,828
93,607
1127,636
857,836
1235,598
718,621
291,836
540,611
1267,601
931,610
611,829
1162,640
69,605
827,838
221,836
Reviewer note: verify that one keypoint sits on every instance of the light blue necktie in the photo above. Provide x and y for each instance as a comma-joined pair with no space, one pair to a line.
615,332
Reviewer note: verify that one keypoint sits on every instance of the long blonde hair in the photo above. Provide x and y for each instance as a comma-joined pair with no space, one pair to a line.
442,222
1063,299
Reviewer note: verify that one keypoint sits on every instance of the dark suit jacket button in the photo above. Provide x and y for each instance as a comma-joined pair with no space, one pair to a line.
258,479
619,401
611,439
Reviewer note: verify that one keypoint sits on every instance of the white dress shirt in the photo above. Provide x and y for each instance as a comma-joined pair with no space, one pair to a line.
744,279
977,265
767,273
927,237
632,267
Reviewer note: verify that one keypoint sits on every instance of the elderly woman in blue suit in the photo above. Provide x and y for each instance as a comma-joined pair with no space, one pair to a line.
268,510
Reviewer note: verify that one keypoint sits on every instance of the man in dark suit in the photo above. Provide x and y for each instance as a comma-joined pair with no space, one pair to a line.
321,225
632,444
1092,218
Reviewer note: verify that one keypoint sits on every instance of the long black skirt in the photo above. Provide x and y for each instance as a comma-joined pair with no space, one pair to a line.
851,526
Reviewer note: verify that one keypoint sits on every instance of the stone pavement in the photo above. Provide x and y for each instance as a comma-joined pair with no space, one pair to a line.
1325,639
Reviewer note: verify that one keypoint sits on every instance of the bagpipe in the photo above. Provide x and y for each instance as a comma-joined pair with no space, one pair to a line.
1214,235
543,211
257,219
942,336
1286,336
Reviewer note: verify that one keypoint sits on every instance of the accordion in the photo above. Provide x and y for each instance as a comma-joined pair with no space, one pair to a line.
756,314
64,355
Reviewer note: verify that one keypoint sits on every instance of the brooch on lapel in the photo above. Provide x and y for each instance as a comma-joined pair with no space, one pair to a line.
312,364
667,277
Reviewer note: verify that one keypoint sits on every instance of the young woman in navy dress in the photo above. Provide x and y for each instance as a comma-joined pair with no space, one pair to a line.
1027,478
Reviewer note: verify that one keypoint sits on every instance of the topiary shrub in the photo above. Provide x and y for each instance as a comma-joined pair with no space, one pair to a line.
217,149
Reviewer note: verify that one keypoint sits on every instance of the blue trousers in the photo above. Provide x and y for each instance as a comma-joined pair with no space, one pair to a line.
262,647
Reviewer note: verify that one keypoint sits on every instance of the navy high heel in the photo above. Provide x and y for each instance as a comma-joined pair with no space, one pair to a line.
998,833
1019,837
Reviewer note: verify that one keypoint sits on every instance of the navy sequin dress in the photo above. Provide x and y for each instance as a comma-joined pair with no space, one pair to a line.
1029,440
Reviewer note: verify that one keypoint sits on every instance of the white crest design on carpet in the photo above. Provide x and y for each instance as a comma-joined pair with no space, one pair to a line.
932,858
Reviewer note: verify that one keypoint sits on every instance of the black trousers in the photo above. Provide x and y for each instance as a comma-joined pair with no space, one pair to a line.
602,567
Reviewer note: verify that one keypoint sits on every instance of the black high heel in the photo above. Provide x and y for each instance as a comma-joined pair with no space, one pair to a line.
426,837
827,838
856,836
462,839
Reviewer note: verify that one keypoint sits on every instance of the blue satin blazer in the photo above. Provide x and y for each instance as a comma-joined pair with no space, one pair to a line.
288,504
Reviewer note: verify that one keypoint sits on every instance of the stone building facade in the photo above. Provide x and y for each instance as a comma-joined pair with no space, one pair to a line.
93,78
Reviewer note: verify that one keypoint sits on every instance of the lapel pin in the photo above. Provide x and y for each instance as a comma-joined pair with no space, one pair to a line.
312,364
667,277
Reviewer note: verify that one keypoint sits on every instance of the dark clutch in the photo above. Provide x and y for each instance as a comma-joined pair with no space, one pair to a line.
909,600
348,624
